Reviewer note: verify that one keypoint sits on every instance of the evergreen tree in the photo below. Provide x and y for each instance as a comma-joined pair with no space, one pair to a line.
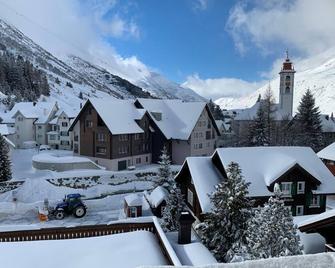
258,129
215,110
5,164
269,109
307,129
165,178
225,225
271,231
174,206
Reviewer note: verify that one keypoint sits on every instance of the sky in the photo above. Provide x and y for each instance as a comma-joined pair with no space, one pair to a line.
219,48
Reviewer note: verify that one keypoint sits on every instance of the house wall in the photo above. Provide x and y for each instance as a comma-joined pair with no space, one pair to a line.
76,138
65,137
25,130
203,137
41,133
180,149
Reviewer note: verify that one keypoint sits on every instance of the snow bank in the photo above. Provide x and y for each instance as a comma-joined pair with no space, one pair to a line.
126,250
323,260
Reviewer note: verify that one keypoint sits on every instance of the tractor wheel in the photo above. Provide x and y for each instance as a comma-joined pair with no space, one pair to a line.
59,214
79,212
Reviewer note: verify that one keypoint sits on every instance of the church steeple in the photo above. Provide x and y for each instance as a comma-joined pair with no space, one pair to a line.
286,86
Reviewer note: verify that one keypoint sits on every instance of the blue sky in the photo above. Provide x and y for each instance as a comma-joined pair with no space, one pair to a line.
218,48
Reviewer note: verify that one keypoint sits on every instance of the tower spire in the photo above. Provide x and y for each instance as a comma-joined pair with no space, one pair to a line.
287,54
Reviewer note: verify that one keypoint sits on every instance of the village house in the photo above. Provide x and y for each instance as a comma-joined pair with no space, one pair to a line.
30,121
327,155
185,128
59,137
304,179
112,132
328,128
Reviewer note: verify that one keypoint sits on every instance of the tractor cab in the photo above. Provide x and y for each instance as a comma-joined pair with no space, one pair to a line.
72,204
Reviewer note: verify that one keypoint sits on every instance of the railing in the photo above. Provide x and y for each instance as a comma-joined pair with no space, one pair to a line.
330,247
58,233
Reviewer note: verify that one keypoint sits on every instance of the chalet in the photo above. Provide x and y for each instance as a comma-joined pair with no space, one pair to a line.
59,137
328,128
327,155
30,121
112,132
185,128
157,200
304,179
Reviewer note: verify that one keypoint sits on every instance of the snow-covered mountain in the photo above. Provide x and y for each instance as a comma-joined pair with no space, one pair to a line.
317,74
69,75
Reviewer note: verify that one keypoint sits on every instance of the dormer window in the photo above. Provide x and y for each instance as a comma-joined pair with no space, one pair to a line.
286,188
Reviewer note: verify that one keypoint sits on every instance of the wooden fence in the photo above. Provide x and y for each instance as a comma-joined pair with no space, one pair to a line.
57,233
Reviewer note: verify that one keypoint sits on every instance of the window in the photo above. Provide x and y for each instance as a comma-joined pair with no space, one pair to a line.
64,133
209,125
300,211
208,135
101,150
286,188
123,149
19,118
64,124
301,187
75,148
39,127
315,202
146,159
138,160
89,111
123,137
65,143
88,123
101,137
287,90
39,136
190,197
137,136
133,212
288,78
200,145
54,128
52,137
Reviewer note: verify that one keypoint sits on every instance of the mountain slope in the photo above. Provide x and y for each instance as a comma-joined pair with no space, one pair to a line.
320,79
72,76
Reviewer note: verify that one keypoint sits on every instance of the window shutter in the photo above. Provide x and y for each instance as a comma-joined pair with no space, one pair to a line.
294,188
322,200
293,210
308,198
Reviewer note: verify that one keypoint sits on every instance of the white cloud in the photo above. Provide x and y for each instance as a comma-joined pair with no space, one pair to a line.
78,27
221,87
200,5
304,25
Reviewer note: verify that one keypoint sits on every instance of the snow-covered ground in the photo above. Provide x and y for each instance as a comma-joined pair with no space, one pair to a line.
126,250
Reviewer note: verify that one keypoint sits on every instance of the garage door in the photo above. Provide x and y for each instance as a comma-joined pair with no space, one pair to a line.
122,165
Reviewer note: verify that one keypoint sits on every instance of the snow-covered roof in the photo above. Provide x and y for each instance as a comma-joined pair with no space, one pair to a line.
328,152
125,250
262,166
118,115
205,176
178,118
157,196
251,113
327,123
6,130
134,200
318,217
9,142
33,110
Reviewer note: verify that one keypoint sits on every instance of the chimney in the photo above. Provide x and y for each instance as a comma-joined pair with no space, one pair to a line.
185,225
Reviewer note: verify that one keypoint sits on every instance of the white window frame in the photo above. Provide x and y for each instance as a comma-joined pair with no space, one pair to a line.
190,198
303,187
301,212
133,212
284,191
315,204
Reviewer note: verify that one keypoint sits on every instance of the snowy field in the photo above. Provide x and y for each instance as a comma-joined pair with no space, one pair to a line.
103,192
126,250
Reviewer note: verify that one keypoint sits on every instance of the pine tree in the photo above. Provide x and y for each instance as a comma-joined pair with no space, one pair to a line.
174,206
164,171
5,164
258,129
271,231
307,128
269,109
225,225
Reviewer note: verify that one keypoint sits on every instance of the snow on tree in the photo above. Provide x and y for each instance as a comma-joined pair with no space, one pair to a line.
306,127
269,110
225,225
165,178
174,206
5,164
258,129
271,231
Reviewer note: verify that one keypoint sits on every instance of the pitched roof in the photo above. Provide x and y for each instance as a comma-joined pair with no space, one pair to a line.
178,117
327,123
5,130
261,166
157,196
118,115
328,152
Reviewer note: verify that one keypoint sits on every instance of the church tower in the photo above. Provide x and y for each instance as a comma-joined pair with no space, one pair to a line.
286,87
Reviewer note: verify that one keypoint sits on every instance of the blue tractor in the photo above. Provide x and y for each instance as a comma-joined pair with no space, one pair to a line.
72,204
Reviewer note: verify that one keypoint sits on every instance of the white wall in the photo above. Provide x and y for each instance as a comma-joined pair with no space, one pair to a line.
25,130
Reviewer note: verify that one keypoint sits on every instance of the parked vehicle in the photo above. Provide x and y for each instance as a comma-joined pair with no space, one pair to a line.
44,148
72,204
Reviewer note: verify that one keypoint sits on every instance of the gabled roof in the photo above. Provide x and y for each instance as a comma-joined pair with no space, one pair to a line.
119,115
327,123
157,196
262,166
328,153
178,118
134,200
5,130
